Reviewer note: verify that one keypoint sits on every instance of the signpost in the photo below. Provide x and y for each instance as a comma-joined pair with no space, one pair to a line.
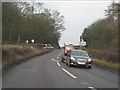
82,43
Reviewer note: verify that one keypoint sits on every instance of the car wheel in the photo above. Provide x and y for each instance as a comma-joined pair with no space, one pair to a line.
78,66
62,59
89,67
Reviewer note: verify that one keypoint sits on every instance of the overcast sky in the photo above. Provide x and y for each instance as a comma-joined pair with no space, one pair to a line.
77,16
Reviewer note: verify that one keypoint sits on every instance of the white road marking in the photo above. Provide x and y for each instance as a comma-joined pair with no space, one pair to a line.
58,64
92,88
61,52
57,57
84,83
55,60
52,59
69,73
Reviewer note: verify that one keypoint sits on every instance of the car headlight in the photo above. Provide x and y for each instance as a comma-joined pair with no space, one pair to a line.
89,59
72,58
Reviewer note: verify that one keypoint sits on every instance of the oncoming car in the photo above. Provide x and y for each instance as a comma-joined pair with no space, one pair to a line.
79,58
47,46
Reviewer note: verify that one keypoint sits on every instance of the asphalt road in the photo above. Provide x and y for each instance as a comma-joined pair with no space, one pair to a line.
46,71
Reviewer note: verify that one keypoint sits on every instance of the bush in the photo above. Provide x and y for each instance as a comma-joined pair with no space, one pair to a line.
13,54
104,55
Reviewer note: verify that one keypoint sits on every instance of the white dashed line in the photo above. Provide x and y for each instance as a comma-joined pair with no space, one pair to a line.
92,88
69,73
58,64
55,60
57,57
61,52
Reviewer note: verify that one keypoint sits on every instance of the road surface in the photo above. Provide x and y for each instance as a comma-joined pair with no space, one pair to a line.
46,71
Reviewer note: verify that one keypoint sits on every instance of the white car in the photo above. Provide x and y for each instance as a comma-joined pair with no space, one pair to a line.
47,46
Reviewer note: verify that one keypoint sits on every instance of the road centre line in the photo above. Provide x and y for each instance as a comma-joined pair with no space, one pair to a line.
61,52
69,73
57,57
58,64
55,60
73,76
64,69
92,88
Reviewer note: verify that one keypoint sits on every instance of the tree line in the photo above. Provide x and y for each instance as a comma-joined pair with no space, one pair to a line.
103,33
23,21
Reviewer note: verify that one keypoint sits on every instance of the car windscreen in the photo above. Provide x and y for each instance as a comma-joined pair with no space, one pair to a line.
48,45
79,53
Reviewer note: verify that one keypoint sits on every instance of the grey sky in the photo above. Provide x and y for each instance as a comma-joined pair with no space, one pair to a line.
77,16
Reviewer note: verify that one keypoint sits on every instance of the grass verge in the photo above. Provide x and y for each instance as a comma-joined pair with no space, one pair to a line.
15,54
105,64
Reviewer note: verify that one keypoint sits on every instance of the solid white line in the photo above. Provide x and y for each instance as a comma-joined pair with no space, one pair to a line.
69,73
58,64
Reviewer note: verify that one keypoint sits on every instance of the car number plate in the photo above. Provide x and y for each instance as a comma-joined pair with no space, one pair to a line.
81,63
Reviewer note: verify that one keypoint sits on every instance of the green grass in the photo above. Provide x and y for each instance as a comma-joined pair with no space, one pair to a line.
105,64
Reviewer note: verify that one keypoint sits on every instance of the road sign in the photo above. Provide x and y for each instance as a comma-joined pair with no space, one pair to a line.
82,43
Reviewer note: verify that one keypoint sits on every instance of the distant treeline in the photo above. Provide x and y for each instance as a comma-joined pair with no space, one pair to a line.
103,33
23,21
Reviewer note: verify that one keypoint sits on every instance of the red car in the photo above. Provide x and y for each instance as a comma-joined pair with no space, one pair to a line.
67,49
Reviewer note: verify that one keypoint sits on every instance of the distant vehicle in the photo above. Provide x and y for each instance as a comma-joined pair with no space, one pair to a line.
67,49
78,58
47,46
